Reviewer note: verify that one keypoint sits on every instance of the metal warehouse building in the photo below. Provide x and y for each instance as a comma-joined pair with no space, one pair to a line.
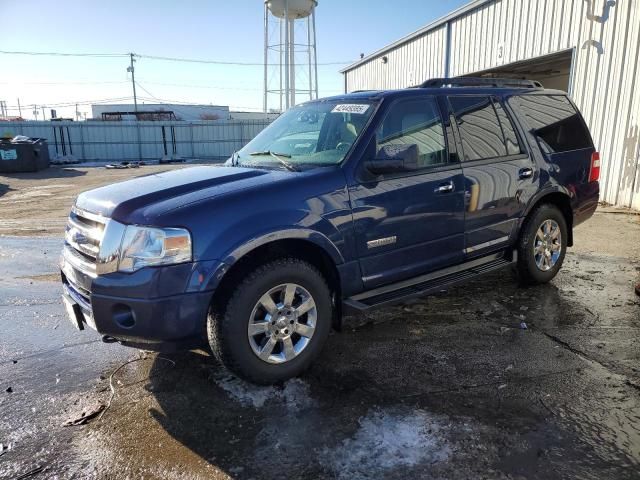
589,48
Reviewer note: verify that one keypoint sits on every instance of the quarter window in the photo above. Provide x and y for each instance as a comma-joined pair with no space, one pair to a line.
418,122
510,137
554,122
479,127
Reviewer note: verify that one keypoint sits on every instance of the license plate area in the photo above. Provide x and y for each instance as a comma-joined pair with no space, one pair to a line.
74,314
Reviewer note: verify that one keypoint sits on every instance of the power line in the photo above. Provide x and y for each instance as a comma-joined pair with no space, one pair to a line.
65,83
171,102
65,54
213,87
186,104
152,57
192,85
79,102
220,62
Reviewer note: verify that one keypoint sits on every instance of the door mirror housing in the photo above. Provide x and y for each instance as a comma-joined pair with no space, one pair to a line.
394,159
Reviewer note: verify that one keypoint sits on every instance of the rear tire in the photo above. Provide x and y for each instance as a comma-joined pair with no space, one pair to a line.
274,324
542,245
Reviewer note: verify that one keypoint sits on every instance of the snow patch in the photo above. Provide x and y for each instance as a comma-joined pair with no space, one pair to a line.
294,394
387,440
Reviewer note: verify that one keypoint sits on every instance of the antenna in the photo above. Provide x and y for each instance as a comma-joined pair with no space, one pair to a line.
289,34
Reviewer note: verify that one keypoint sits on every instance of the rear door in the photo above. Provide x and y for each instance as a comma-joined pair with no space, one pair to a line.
499,174
412,222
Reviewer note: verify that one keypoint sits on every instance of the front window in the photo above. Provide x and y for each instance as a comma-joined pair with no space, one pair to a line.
416,122
309,135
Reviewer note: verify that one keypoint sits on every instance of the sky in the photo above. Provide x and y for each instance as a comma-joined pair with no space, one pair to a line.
227,31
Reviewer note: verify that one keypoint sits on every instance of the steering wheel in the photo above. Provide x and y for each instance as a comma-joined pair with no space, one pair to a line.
343,146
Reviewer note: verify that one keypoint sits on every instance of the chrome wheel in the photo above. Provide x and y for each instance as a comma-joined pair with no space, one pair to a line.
282,323
548,245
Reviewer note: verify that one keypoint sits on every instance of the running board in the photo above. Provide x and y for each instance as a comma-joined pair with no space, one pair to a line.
429,283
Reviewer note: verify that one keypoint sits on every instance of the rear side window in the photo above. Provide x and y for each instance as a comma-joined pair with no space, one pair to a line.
485,128
555,122
510,137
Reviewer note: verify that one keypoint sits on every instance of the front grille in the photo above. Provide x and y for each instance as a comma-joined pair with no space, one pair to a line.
83,235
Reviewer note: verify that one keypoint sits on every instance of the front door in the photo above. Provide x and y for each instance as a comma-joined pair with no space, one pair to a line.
412,222
499,175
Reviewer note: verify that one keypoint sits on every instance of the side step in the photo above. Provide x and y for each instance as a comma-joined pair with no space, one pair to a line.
430,283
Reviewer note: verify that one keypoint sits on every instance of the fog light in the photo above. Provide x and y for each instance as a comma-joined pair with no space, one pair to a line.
123,316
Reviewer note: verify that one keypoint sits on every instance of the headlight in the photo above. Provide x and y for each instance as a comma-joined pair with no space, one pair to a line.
147,246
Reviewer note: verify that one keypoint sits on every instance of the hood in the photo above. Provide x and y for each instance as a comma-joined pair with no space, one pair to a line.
119,200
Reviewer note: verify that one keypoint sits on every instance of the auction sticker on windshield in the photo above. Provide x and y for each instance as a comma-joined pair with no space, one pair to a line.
350,108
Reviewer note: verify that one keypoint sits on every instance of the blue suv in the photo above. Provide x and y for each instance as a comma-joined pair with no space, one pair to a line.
349,202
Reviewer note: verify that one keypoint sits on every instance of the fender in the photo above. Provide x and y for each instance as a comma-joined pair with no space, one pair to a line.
543,193
547,191
219,268
312,236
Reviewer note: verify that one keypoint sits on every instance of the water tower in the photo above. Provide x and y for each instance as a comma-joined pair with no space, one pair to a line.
290,59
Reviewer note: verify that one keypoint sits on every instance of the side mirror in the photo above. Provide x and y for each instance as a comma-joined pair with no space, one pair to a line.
394,159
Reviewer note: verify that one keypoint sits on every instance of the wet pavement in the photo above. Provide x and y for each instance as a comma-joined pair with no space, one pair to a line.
452,386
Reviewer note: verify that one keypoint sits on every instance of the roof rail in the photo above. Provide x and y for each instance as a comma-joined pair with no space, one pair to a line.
480,82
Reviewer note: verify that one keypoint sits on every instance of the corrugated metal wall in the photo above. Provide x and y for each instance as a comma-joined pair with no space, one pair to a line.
605,37
376,75
126,141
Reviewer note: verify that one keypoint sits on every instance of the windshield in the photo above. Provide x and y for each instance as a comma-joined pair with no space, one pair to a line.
308,135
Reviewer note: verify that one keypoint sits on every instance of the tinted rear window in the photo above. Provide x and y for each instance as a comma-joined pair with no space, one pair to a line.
486,130
555,122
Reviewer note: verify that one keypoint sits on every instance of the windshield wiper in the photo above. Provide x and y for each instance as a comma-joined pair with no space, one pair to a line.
278,156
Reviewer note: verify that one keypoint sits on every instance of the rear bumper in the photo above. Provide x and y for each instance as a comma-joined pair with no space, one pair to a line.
587,198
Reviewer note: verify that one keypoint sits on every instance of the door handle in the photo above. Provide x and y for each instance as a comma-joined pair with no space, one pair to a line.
525,173
444,188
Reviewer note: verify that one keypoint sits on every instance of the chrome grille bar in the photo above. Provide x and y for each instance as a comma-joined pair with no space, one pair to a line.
71,234
78,261
94,217
94,234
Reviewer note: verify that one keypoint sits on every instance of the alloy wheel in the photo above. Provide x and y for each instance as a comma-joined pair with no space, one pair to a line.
547,246
282,323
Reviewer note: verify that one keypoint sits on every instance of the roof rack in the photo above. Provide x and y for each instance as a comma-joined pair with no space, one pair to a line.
480,82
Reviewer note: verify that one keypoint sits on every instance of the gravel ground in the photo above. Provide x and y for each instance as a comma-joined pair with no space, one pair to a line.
449,386
38,203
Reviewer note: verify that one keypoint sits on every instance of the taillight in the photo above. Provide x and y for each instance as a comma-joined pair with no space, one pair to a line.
594,172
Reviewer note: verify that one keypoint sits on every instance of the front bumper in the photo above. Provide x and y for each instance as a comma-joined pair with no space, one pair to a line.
155,308
178,319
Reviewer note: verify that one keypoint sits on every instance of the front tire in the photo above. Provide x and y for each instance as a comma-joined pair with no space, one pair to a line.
274,324
542,245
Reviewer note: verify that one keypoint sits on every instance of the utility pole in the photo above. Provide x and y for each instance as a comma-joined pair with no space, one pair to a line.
131,69
19,108
133,83
77,113
44,116
35,112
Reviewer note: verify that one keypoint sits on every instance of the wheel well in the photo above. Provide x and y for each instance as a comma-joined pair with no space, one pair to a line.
563,203
297,248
